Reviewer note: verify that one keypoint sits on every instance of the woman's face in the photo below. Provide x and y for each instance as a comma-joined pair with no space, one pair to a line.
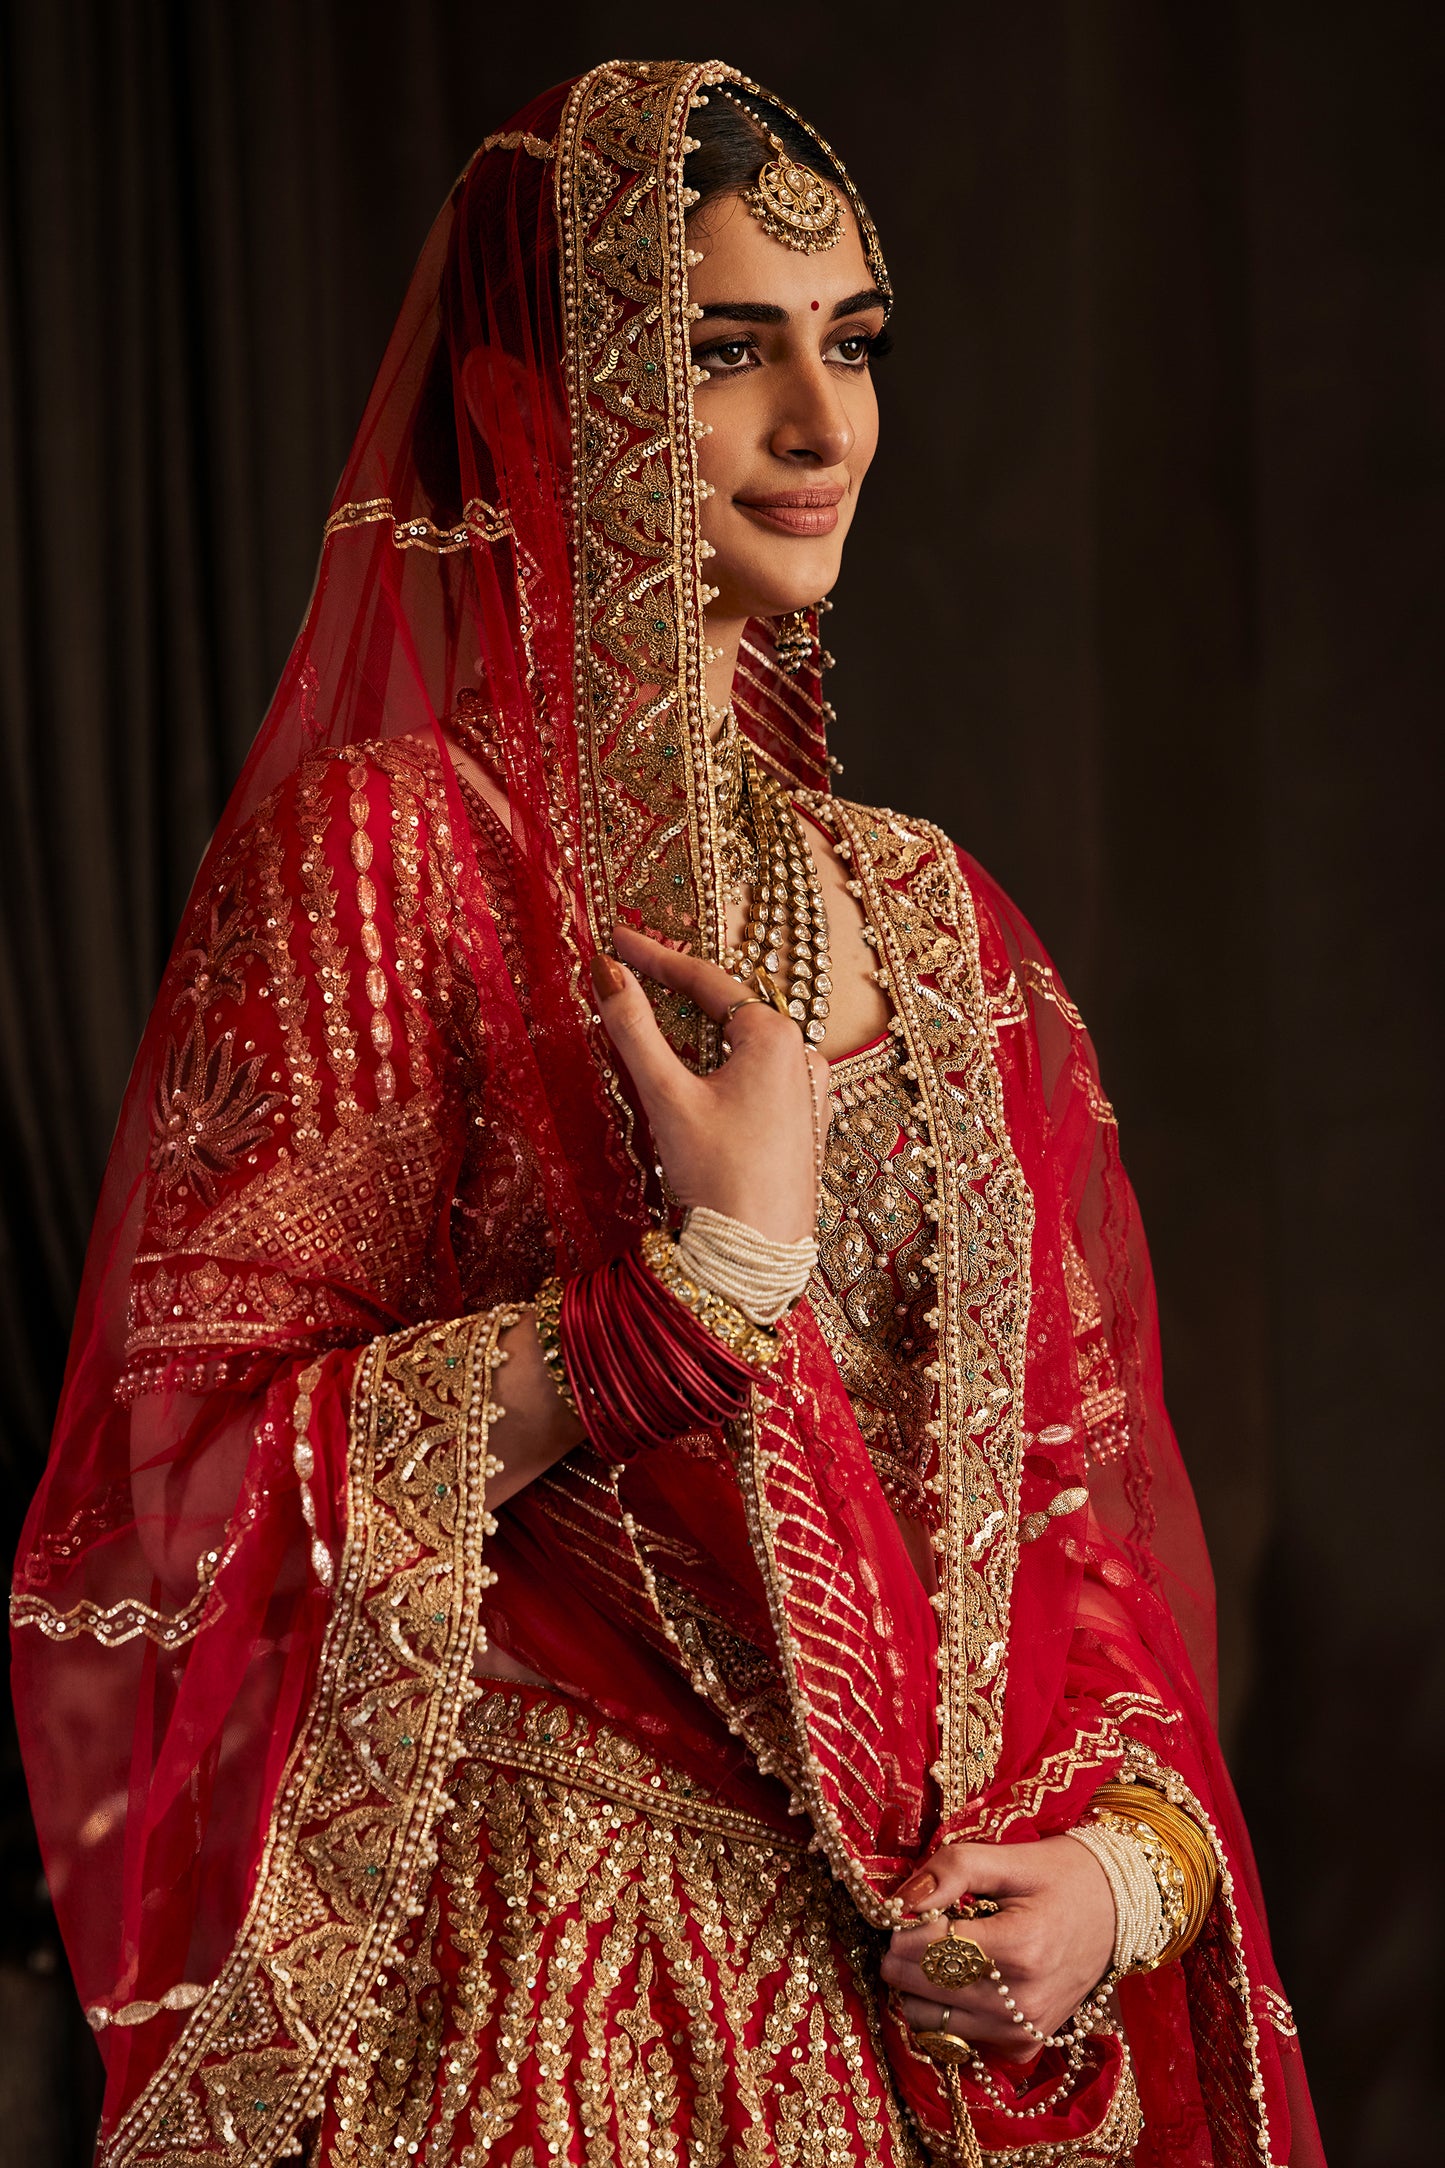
785,338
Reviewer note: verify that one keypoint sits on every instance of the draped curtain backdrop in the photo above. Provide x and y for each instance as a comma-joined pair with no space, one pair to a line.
1143,607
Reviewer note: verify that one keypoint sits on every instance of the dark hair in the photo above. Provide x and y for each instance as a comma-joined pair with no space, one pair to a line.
733,146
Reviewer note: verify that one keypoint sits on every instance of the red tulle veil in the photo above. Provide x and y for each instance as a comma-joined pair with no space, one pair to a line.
510,587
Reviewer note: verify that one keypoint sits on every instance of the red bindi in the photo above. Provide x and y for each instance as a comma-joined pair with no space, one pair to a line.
813,304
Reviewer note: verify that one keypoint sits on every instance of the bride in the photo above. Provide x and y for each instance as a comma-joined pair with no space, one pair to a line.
614,1584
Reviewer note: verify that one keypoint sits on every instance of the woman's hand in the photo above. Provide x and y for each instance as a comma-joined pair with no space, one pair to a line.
1052,1939
741,1139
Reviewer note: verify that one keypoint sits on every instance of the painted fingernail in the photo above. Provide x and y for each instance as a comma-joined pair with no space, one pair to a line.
607,977
917,1888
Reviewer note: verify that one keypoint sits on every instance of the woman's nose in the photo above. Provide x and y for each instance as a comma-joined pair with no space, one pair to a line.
813,425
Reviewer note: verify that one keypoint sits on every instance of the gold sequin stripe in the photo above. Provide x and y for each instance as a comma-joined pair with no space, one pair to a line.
409,772
287,990
114,1624
303,1460
362,854
318,889
763,1450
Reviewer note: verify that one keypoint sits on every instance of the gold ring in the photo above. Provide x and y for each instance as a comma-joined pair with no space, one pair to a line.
953,1961
749,1001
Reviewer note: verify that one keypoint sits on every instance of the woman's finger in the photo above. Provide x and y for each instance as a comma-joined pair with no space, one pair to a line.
932,2014
634,1031
959,1871
713,989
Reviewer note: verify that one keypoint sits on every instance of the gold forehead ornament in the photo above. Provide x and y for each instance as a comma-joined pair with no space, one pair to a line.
790,201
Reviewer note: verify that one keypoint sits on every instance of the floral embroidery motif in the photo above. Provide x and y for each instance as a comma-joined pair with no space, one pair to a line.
209,1108
209,1111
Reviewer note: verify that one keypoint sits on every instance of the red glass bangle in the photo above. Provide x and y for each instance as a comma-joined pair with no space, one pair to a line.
642,1368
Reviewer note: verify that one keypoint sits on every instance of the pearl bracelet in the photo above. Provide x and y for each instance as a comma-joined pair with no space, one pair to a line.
760,1277
1139,1925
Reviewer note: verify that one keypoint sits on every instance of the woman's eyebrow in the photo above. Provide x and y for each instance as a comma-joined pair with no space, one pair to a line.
747,312
855,304
767,312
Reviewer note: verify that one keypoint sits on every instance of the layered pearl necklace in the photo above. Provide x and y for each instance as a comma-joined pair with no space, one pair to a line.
767,865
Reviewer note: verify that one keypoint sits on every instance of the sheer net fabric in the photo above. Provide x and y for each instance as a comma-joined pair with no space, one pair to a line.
373,1110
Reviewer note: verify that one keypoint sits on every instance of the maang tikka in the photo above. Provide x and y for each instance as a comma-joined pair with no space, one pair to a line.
790,201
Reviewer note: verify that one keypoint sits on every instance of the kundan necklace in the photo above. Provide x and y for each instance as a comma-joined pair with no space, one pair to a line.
766,862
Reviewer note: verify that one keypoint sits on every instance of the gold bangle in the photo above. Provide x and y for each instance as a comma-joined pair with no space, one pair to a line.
756,1345
547,1314
1179,1854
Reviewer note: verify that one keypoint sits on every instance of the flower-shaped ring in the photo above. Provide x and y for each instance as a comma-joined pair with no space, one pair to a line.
954,1961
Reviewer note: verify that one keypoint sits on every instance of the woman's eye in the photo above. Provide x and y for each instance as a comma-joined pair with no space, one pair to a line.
855,349
731,354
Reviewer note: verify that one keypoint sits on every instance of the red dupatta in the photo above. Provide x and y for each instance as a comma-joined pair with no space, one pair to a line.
373,1109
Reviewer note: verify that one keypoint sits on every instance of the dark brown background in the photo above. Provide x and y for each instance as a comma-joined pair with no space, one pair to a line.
1145,608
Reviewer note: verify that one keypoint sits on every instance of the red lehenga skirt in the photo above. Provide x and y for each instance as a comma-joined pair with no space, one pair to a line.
612,1968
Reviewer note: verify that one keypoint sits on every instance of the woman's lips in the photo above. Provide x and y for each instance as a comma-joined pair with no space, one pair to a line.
796,511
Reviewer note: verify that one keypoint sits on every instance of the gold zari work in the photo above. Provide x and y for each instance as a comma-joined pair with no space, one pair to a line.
352,1840
925,921
611,1968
